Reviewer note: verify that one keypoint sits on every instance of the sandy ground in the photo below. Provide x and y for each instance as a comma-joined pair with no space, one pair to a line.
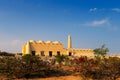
53,78
61,78
57,78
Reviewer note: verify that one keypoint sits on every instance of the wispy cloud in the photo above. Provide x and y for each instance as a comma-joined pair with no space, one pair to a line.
97,23
93,9
104,9
103,23
116,9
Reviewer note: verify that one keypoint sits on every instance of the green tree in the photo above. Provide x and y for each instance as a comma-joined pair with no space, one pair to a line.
101,51
29,58
60,59
6,54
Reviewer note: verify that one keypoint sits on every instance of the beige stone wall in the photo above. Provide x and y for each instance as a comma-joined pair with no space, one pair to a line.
80,52
83,52
44,46
24,49
56,46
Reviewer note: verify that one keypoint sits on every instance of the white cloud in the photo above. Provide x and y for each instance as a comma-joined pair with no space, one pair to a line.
104,23
97,9
116,9
97,22
93,9
104,9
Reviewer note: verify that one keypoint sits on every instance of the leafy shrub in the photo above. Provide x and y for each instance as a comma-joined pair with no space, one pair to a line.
28,66
6,54
61,58
25,67
98,68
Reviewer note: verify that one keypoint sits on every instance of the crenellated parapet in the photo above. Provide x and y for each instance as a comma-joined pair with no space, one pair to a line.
49,48
43,42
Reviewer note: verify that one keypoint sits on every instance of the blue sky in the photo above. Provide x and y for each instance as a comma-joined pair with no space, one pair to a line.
91,23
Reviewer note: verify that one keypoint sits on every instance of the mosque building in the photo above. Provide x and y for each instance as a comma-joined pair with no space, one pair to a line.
50,48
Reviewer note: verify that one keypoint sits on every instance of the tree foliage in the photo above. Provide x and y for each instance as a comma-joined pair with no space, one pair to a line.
105,69
60,58
6,54
101,51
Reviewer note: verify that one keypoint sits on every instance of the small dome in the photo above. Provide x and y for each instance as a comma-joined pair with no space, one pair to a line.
56,42
40,41
48,42
32,41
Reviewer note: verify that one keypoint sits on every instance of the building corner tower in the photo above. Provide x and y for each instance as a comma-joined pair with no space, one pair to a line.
69,42
28,51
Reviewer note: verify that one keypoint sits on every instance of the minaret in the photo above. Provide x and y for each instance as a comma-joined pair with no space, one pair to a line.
69,42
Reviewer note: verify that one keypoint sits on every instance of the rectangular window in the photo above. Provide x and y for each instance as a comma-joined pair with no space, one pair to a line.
70,54
42,53
50,53
58,52
33,53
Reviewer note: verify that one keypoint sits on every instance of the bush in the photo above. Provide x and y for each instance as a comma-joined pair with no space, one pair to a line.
61,58
6,54
25,67
103,69
28,67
